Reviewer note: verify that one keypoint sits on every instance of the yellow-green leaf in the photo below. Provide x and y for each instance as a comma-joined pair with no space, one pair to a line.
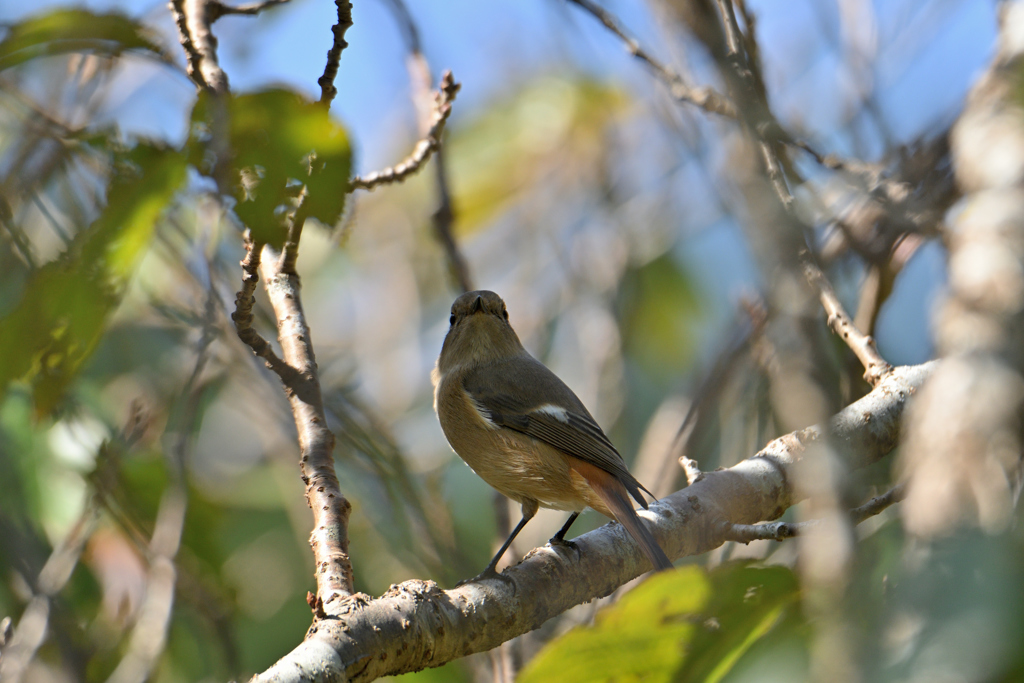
280,142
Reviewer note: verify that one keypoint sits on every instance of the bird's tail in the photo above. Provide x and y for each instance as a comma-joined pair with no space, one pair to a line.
614,495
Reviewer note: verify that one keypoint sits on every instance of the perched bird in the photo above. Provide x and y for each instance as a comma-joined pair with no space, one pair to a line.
524,431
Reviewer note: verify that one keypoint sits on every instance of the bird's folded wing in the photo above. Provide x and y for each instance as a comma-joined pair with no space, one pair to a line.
530,399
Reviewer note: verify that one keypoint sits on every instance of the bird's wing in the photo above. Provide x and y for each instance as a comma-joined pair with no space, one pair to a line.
523,395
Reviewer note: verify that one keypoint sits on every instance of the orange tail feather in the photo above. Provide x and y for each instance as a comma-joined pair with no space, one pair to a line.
614,495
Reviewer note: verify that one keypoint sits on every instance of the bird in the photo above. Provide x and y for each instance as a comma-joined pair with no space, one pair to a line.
524,432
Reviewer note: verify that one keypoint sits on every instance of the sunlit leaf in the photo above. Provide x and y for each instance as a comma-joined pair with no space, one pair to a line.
280,142
642,637
746,603
60,317
659,309
75,30
684,625
554,127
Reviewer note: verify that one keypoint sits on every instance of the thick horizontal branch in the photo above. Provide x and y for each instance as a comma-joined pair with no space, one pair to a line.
416,624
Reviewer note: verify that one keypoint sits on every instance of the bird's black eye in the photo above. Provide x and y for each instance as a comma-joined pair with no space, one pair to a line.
504,314
451,320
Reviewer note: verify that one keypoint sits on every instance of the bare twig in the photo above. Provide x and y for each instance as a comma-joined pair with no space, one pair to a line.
193,19
243,316
24,641
329,539
218,9
778,531
421,81
150,632
326,82
416,624
863,346
193,58
424,148
703,97
879,503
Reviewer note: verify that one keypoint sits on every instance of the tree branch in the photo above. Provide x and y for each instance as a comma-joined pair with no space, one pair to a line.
862,345
329,539
430,142
326,82
778,531
421,82
417,625
218,9
705,98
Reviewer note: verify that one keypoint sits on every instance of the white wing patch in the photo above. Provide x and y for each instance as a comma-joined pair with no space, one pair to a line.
554,411
485,416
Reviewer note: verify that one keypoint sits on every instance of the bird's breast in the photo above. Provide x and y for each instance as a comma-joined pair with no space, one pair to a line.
515,464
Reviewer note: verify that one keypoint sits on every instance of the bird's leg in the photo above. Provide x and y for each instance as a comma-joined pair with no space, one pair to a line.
529,510
559,538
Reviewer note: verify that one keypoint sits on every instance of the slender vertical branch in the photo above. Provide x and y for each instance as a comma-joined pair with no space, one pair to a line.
326,82
862,345
329,539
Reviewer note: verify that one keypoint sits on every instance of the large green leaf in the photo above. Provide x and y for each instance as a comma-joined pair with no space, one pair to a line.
75,30
746,604
683,625
280,142
642,637
60,317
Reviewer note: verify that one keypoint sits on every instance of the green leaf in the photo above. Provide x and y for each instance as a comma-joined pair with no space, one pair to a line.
53,329
642,637
746,604
75,30
280,142
552,128
659,310
683,625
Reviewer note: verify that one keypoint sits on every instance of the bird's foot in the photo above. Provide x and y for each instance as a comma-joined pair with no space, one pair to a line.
489,573
559,542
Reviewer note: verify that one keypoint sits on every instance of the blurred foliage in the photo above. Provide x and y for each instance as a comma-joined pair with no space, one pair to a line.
279,144
62,312
522,141
72,30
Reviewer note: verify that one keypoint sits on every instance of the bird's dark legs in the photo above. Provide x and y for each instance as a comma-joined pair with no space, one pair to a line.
529,510
559,538
515,532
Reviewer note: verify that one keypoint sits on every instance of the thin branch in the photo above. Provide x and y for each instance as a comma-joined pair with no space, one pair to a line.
326,82
863,346
421,81
218,9
21,645
290,250
877,504
424,148
150,633
778,531
193,58
416,624
703,97
329,539
242,316
194,19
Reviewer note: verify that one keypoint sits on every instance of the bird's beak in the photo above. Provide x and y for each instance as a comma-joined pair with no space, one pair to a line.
478,305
